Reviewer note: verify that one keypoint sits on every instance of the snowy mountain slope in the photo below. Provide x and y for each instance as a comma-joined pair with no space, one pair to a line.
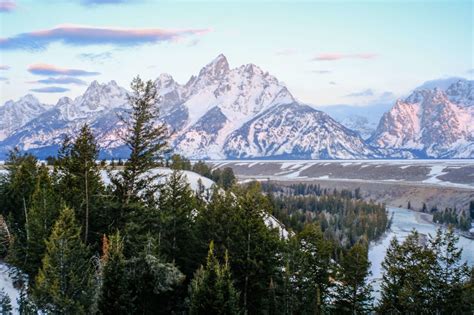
430,123
245,112
46,131
299,131
14,115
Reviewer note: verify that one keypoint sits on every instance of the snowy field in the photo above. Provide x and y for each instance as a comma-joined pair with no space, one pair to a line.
447,173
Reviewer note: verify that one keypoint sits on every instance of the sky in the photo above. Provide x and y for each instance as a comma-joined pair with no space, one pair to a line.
326,52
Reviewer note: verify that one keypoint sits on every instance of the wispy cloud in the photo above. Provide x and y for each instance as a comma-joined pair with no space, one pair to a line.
338,56
96,57
60,80
3,79
368,92
470,71
78,35
332,83
286,52
45,69
7,6
50,89
4,67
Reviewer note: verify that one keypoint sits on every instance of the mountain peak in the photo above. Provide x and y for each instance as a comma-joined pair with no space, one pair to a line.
216,68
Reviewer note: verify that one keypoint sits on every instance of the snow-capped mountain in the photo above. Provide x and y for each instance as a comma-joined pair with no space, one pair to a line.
430,123
296,131
44,133
244,112
14,115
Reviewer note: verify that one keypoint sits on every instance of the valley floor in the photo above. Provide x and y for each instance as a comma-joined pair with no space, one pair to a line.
441,183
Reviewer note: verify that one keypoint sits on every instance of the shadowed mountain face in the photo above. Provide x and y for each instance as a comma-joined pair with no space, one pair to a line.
245,112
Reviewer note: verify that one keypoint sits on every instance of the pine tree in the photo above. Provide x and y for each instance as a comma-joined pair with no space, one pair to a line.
5,237
354,293
43,212
311,270
5,303
234,220
212,290
80,183
63,284
146,140
406,283
151,282
177,236
449,274
16,191
113,298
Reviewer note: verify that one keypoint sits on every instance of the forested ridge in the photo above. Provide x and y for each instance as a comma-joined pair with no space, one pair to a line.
140,245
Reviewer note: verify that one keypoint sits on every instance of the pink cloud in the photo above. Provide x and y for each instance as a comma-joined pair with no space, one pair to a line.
338,56
7,6
88,35
45,69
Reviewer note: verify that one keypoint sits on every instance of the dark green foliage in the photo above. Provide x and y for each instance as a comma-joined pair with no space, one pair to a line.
146,140
424,276
64,282
79,181
223,177
406,282
178,240
202,168
235,222
459,219
342,218
5,237
212,290
151,282
309,270
179,162
353,294
43,212
449,274
5,304
113,297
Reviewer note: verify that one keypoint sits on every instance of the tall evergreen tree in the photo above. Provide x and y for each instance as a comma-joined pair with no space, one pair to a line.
235,221
312,270
43,212
177,234
146,139
406,283
449,274
16,190
151,282
354,294
212,290
63,284
113,298
80,183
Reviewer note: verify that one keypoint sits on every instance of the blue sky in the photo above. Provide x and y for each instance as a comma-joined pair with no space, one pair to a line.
326,52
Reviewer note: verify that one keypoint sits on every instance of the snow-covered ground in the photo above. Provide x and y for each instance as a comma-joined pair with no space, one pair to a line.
424,172
191,177
6,283
404,221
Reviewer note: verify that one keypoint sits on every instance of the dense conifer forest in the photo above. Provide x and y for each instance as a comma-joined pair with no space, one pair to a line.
139,244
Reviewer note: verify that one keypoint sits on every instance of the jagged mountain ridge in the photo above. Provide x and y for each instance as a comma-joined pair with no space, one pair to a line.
245,112
430,124
205,115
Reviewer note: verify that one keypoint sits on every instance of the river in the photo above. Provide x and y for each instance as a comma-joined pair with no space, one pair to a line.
404,221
